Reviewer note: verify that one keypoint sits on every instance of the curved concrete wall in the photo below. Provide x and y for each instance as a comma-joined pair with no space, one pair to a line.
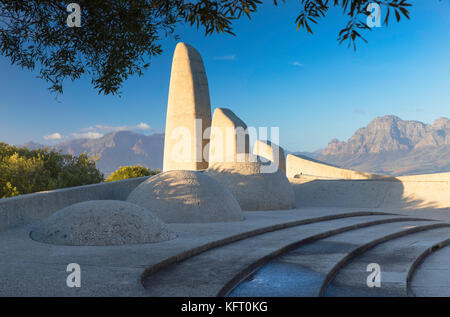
29,208
296,166
418,191
438,177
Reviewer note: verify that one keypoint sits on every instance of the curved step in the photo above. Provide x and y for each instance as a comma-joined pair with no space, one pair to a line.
310,264
316,260
206,274
397,258
219,234
117,270
432,276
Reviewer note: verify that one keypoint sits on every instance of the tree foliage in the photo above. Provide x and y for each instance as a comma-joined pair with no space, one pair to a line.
125,172
24,171
117,38
356,11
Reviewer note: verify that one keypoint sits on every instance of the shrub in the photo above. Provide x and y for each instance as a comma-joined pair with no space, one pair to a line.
24,171
125,172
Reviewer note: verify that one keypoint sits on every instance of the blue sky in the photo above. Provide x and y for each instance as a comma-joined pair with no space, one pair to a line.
268,74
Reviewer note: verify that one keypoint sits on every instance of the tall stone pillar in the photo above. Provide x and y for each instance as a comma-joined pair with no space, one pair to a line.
188,112
229,138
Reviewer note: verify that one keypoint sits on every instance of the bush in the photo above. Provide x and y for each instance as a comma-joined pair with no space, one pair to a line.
24,171
125,172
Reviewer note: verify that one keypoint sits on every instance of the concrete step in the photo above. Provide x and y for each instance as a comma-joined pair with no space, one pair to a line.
215,271
432,276
195,238
397,259
37,269
303,271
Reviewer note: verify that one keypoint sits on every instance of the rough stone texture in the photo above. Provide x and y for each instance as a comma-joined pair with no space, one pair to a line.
254,189
229,137
187,196
271,151
297,166
29,208
188,101
101,222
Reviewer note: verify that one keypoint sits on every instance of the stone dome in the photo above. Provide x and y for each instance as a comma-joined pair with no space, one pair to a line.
101,222
180,196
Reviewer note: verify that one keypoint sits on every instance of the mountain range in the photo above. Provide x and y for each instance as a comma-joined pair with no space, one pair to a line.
387,145
121,148
390,145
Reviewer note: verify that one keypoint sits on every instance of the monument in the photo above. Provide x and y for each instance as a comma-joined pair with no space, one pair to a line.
229,137
187,197
221,230
272,152
255,189
188,112
298,166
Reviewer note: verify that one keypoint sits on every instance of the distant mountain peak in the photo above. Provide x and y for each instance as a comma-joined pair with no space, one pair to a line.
442,124
122,133
115,149
388,134
386,118
389,138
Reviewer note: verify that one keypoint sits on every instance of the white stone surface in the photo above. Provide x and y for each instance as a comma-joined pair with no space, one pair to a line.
101,222
187,196
271,151
229,137
188,112
297,166
411,192
254,189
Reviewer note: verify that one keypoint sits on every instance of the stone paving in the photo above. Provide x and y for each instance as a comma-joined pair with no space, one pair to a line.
208,259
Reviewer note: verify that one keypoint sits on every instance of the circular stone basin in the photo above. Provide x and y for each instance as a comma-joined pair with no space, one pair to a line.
187,196
101,222
254,184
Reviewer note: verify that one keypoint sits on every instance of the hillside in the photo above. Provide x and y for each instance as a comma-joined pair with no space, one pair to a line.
387,145
394,146
116,149
120,149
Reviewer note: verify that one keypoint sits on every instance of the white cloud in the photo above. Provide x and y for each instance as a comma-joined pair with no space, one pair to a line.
98,131
297,64
107,128
143,126
53,136
87,135
226,58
